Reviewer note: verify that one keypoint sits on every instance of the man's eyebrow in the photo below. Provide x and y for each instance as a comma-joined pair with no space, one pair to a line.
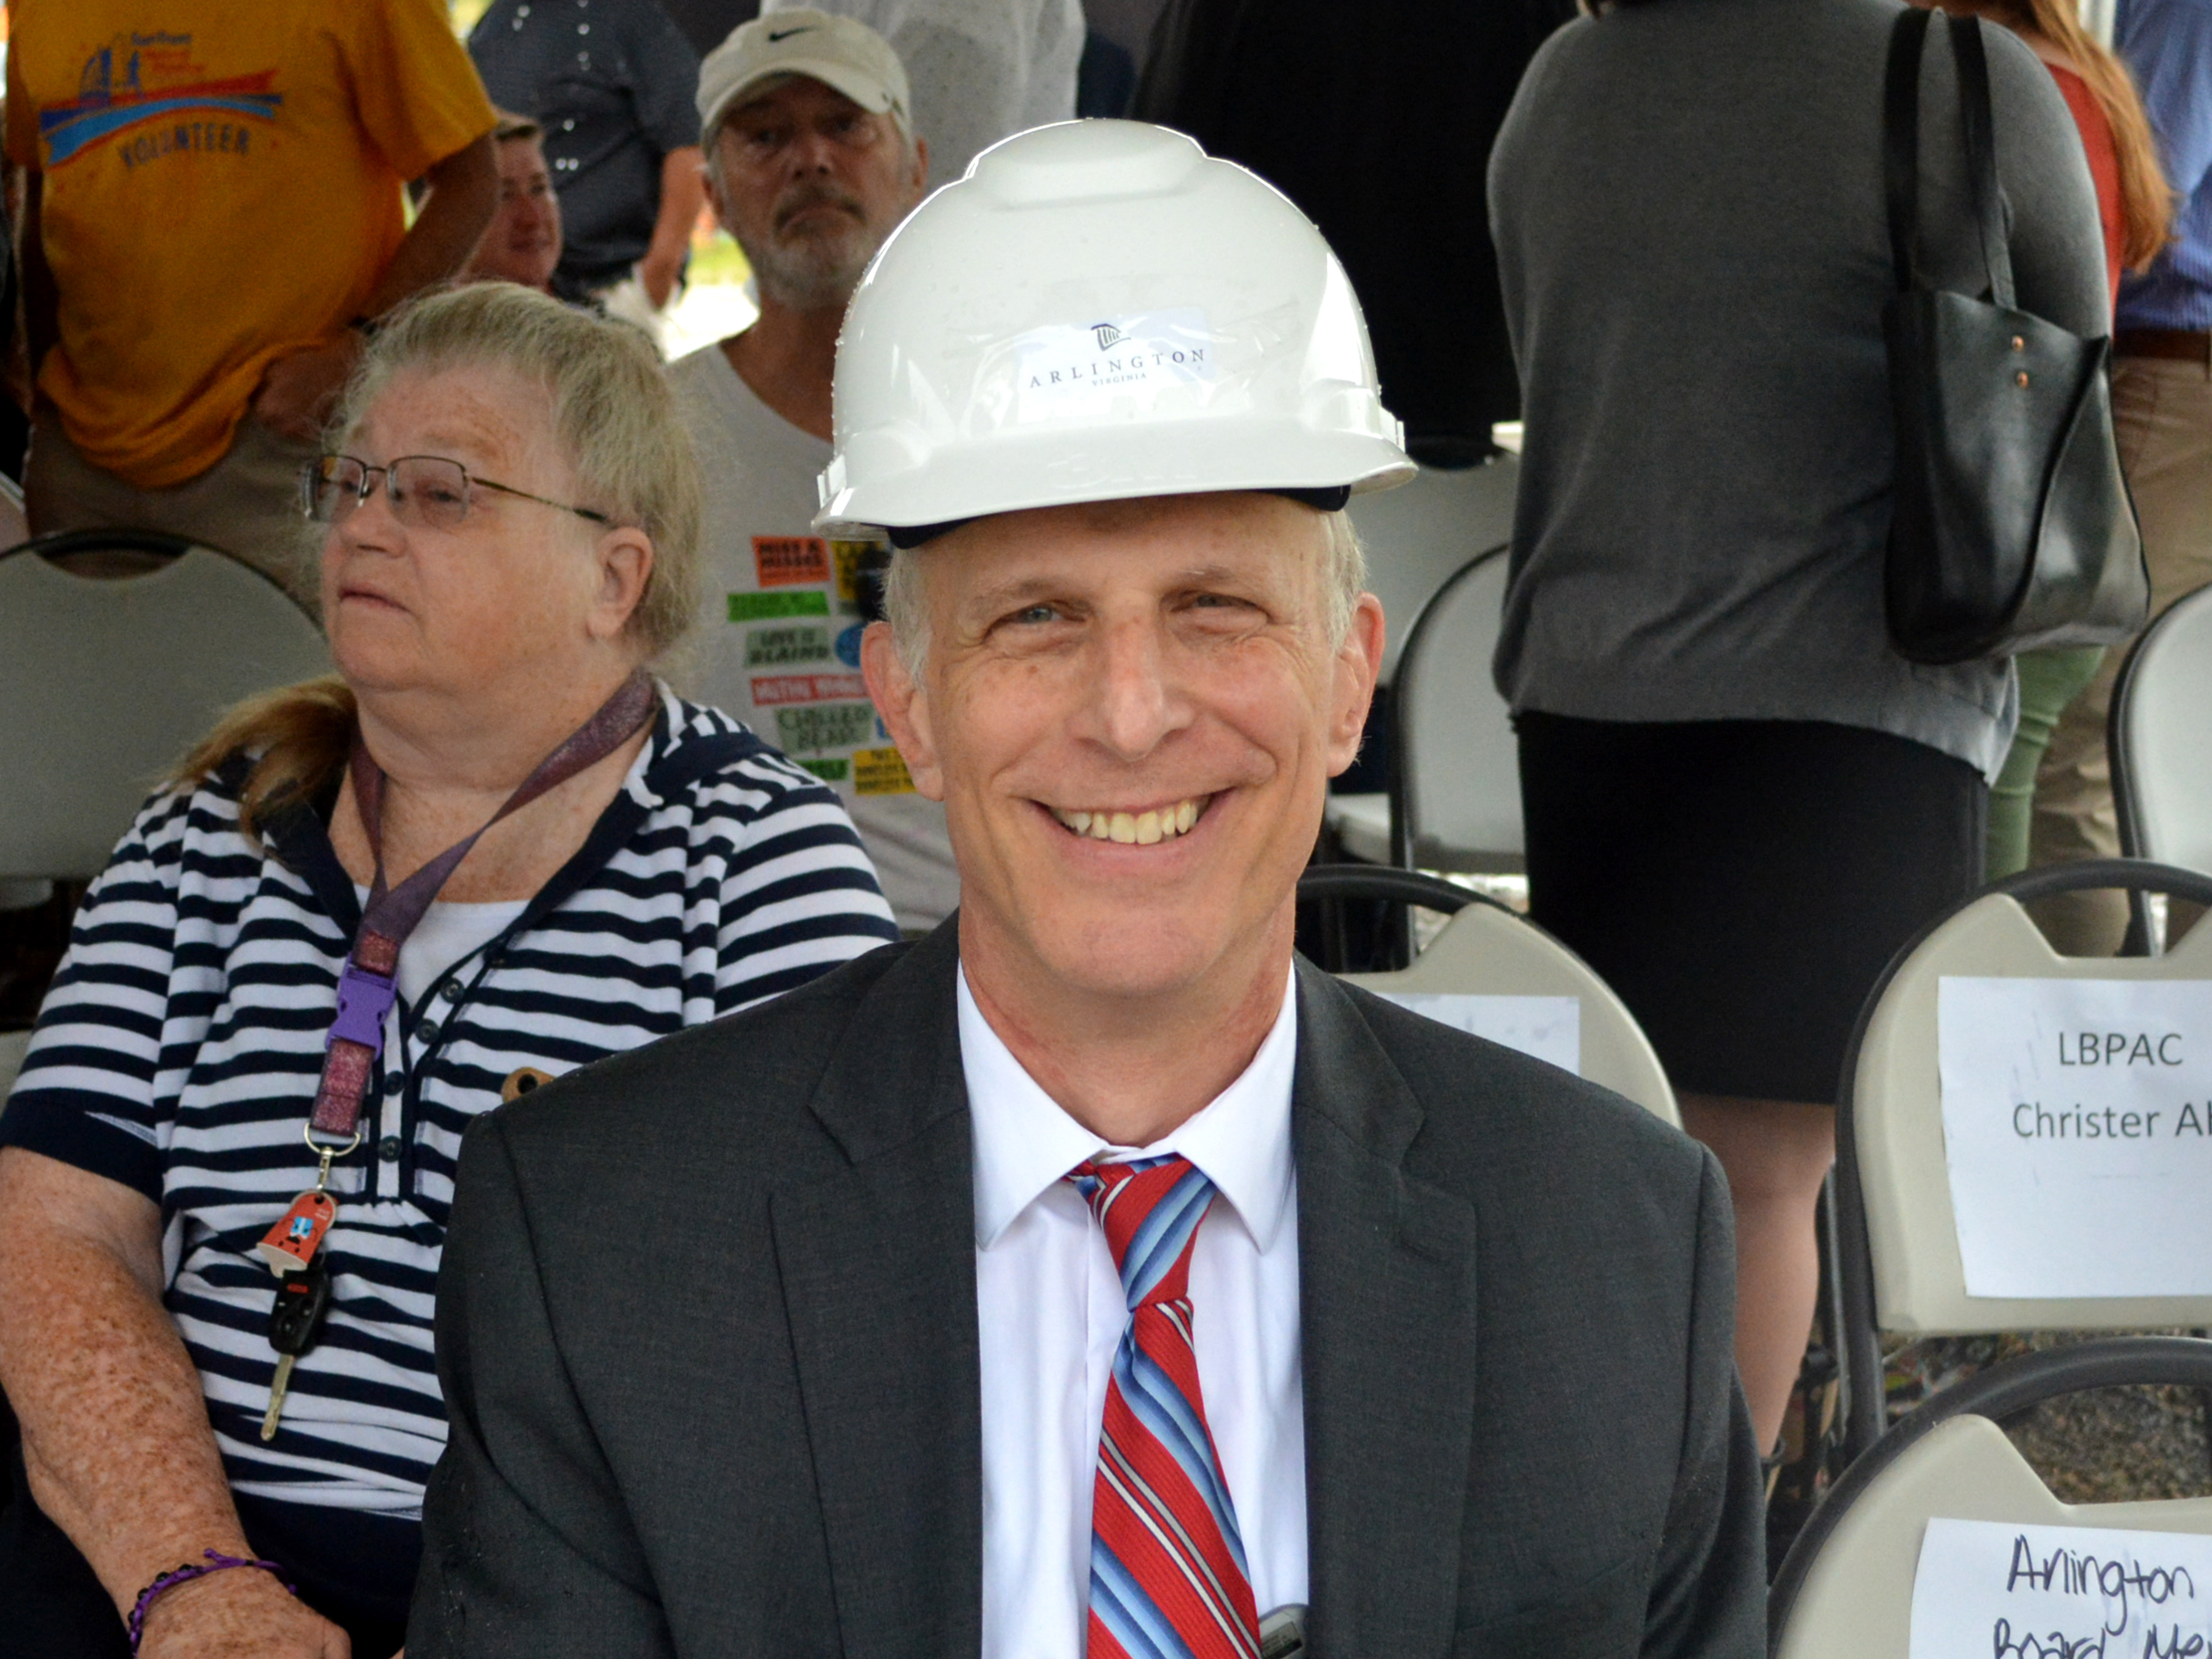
1019,591
1219,575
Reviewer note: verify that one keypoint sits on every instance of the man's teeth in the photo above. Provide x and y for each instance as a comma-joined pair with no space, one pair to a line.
1136,829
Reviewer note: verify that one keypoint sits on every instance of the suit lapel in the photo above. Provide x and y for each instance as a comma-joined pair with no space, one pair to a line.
1387,1271
878,1265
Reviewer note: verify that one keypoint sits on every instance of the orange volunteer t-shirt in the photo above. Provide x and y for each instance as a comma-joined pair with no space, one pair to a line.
221,187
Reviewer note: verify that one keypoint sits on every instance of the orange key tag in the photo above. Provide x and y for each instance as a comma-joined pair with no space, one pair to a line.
291,1244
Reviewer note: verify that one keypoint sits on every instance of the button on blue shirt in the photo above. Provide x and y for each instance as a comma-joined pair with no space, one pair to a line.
2168,45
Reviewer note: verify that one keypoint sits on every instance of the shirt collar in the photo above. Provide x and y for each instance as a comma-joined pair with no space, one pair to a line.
1024,1140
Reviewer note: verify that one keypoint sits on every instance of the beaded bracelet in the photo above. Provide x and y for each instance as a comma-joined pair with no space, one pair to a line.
185,1575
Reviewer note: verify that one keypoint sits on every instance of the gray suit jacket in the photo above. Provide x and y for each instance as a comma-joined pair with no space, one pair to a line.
707,1328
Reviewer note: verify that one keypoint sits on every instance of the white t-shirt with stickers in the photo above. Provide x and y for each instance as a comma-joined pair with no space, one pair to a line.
779,644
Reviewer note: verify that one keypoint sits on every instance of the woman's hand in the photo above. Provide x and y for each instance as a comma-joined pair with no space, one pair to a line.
240,1613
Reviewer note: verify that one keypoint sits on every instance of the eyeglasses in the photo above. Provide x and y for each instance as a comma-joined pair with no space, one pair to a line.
425,491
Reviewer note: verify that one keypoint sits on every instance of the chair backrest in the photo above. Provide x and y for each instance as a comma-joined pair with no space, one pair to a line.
104,684
2161,738
1894,1113
1456,772
13,1045
14,523
1416,536
1846,1591
1486,950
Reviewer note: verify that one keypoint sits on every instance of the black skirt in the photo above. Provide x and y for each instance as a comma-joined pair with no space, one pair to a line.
1742,883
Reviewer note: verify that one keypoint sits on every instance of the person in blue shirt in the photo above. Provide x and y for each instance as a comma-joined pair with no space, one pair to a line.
610,83
2162,413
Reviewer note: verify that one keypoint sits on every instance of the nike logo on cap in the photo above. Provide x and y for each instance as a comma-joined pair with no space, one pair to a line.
776,35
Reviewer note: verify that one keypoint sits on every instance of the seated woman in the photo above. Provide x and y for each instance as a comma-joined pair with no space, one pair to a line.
508,536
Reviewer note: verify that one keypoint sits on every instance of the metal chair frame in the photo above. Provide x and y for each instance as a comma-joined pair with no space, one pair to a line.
1861,1334
1420,642
2003,1391
2128,762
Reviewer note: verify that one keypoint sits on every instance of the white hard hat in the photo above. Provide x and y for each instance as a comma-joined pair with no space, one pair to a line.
1100,311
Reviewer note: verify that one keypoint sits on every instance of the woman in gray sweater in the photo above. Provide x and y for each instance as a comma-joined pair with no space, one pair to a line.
1740,799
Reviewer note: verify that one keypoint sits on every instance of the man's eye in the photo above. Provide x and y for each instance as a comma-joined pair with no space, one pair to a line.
1032,616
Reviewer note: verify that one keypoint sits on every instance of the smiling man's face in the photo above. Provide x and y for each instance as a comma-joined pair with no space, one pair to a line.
1132,712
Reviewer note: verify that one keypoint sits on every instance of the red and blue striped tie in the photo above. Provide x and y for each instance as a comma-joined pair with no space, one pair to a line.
1168,1578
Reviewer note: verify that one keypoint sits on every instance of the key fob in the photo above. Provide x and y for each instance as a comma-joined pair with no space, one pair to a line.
302,1299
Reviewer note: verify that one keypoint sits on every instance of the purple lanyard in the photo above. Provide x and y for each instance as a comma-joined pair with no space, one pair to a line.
366,989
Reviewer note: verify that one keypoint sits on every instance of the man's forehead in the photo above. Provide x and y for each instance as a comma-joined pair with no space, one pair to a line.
782,95
1244,541
1229,525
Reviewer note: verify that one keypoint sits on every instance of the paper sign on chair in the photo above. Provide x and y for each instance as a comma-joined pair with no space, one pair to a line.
2077,1130
1993,1590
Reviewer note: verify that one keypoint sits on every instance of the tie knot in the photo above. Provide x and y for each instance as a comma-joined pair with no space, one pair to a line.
1150,1209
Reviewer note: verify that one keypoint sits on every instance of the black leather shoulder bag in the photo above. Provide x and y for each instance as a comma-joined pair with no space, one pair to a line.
2013,528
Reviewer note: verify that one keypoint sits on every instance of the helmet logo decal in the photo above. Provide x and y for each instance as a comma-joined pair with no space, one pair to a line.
1151,363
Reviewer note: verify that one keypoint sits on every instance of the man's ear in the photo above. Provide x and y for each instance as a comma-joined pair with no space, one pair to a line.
922,166
625,560
904,705
1358,662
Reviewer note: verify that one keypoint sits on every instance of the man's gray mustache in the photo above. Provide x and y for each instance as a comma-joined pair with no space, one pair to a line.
787,211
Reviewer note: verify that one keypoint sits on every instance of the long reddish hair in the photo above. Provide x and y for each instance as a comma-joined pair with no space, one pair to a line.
2146,200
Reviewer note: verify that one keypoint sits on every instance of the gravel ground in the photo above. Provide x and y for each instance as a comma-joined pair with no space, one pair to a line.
2115,1446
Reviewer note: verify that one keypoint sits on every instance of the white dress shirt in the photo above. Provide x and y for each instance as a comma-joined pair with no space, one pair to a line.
1052,1312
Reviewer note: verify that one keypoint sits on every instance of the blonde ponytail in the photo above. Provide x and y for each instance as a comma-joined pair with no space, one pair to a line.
300,738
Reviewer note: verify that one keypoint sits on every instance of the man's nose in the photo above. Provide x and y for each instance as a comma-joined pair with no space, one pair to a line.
813,152
1139,703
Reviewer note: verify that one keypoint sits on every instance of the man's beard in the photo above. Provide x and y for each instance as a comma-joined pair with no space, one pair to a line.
819,268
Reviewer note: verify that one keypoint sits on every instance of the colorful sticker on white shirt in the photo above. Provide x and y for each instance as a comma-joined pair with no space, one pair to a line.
786,645
776,690
767,607
800,643
811,728
790,561
881,771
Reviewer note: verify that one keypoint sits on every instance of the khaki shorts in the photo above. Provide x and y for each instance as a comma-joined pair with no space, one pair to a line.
246,505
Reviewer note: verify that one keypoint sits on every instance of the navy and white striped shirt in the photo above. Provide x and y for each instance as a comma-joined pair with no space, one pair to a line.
179,1048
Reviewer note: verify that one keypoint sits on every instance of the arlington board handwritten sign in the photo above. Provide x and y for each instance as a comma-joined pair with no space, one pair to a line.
2077,1133
1990,1590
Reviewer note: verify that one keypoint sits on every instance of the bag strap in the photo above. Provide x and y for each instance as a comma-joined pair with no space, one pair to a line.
1979,129
1901,143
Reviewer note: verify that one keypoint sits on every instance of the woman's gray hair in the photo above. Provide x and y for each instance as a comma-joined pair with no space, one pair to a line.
1343,579
614,415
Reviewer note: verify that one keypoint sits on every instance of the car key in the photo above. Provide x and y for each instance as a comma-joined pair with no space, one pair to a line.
302,1299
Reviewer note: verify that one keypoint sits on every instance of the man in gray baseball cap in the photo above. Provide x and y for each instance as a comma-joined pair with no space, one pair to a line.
811,161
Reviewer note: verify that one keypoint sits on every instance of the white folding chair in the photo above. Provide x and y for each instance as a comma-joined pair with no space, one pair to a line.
1488,950
1454,799
2161,738
1846,1589
12,1046
1899,1260
1419,539
14,523
105,683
